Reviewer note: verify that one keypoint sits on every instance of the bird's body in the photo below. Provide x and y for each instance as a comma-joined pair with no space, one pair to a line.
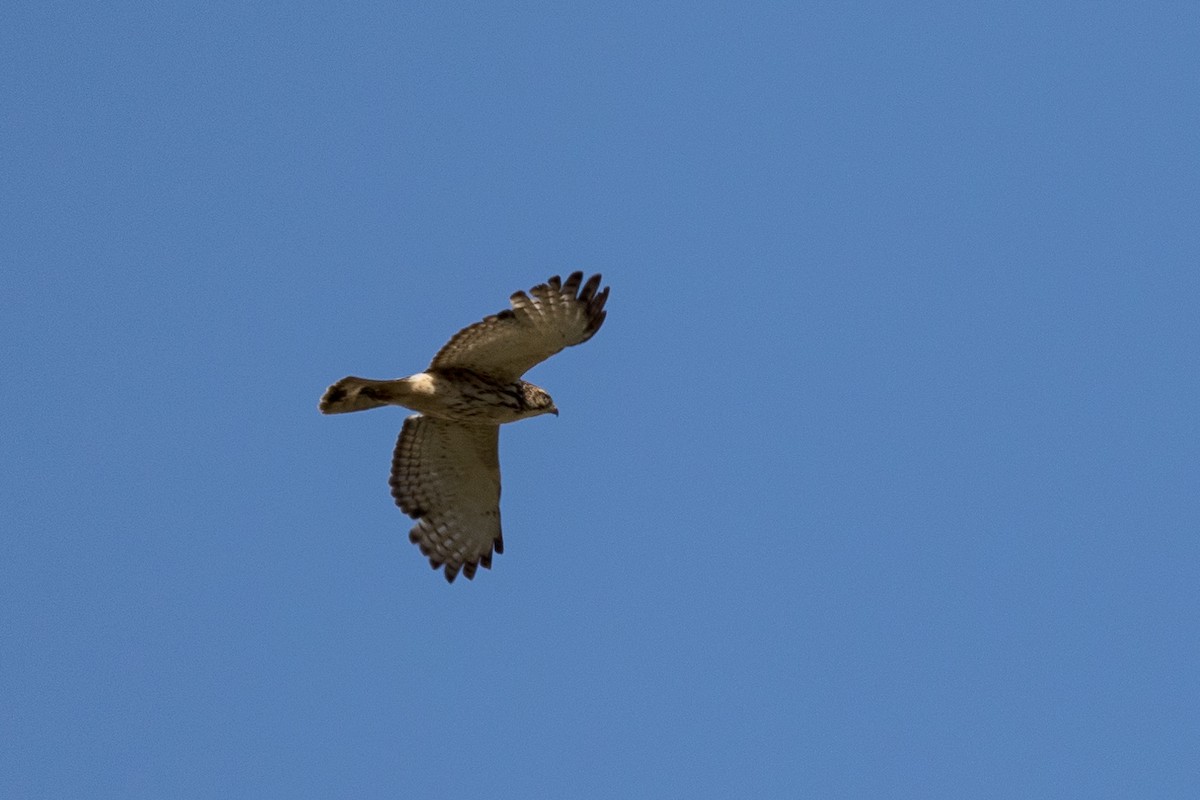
461,395
445,468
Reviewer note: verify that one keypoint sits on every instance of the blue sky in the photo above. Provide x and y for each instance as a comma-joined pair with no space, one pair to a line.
880,479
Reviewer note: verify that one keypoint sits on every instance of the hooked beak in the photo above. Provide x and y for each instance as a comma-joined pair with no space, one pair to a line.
554,410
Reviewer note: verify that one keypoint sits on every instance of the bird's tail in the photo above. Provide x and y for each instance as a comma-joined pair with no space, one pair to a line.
358,394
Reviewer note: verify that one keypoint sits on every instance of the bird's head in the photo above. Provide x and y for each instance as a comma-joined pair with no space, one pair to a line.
536,400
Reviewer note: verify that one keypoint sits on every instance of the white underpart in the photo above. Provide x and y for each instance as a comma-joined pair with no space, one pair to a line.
422,383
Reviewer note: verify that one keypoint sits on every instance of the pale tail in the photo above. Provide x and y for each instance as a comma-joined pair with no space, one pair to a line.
357,394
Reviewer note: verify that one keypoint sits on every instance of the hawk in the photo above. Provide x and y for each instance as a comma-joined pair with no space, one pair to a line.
446,466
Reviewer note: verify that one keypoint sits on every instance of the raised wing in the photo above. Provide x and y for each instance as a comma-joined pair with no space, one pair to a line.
446,476
554,315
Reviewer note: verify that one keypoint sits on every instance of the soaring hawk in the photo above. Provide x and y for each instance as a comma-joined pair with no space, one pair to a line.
446,466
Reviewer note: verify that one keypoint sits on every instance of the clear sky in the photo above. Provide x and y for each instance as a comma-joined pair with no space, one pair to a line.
880,480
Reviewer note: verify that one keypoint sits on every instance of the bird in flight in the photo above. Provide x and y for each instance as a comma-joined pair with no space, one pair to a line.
446,465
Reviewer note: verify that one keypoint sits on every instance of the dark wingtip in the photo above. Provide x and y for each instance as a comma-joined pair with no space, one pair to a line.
571,286
589,288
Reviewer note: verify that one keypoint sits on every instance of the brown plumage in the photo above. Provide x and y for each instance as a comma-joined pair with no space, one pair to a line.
445,468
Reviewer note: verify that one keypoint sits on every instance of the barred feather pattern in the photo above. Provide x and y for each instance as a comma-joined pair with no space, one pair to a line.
553,315
445,467
446,476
